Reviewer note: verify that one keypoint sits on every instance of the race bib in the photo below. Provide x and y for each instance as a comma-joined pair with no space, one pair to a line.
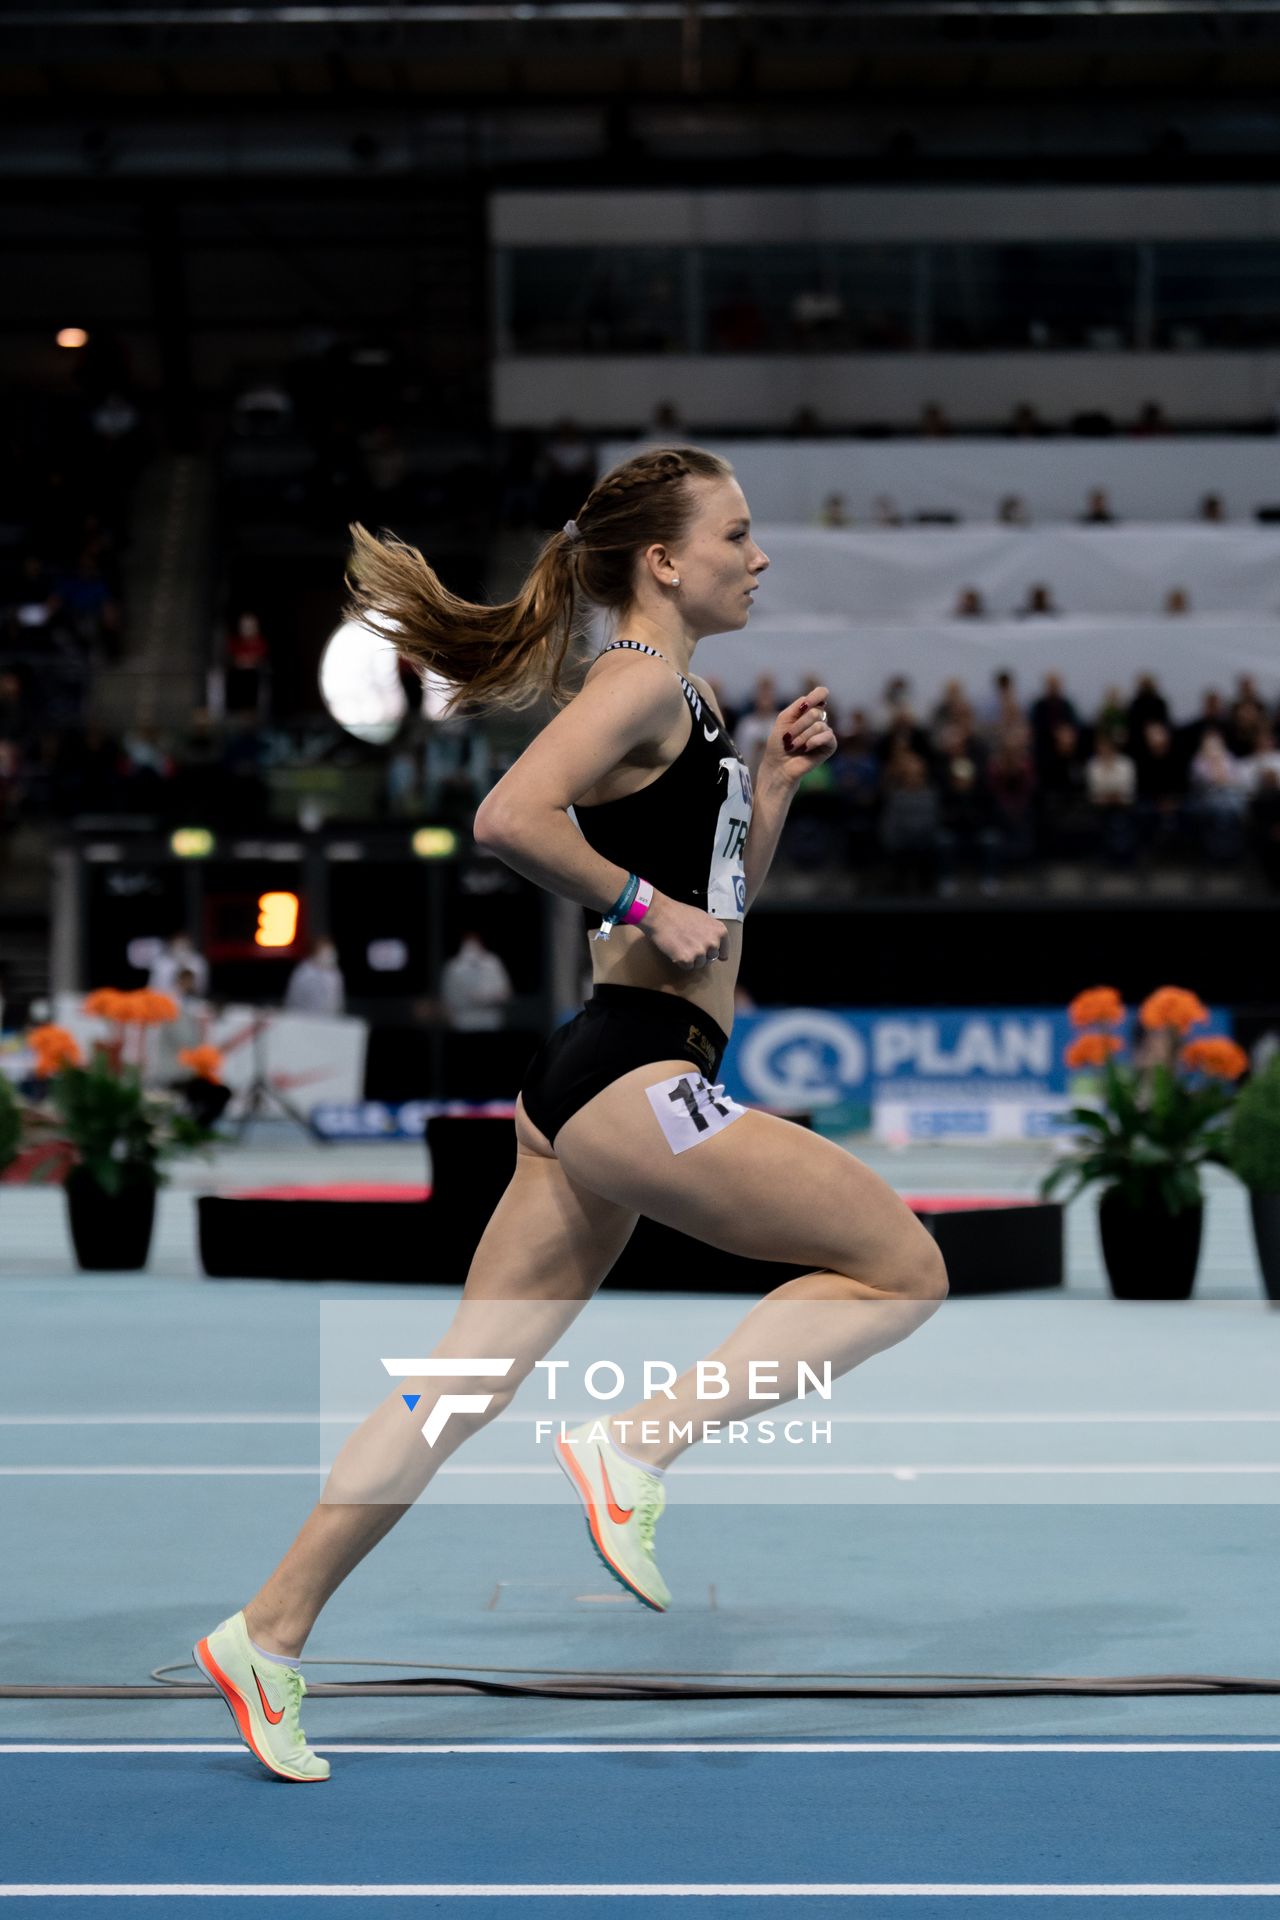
690,1109
726,881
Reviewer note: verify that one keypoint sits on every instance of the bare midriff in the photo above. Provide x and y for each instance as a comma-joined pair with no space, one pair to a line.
629,959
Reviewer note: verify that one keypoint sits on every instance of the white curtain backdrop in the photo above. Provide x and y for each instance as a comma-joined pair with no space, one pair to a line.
786,481
1091,654
903,573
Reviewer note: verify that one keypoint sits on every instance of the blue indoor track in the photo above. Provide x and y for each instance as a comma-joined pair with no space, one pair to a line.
1031,1485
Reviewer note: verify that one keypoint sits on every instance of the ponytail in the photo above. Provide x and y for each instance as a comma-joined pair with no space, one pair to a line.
503,656
522,651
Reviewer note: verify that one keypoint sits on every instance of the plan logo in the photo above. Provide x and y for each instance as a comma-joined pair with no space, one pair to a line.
426,1369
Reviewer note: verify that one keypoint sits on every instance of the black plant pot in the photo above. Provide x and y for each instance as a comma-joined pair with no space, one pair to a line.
1265,1208
1150,1253
111,1232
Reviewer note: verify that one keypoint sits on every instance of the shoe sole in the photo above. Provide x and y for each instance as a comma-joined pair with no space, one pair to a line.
236,1705
578,1481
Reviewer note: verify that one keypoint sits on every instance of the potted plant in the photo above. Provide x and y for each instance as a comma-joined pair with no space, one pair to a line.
10,1123
119,1130
1253,1154
1156,1117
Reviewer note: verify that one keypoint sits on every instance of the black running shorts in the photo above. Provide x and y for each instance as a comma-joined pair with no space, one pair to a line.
618,1029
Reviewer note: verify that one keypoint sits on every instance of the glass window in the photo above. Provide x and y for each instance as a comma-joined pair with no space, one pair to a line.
807,298
1033,295
1217,294
596,299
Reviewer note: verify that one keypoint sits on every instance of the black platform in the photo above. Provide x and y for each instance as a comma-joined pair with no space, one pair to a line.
990,1245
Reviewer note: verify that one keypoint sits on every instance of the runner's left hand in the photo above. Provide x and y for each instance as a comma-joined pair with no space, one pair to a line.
801,739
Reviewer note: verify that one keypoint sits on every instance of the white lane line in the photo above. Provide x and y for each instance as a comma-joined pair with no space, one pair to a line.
1019,1470
805,1747
843,1890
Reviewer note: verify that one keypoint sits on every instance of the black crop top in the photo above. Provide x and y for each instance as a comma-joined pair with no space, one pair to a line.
686,832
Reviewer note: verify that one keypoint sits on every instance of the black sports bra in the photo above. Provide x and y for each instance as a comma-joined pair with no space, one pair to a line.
686,832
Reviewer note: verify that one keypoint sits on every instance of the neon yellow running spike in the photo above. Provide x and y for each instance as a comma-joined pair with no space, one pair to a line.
264,1697
623,1505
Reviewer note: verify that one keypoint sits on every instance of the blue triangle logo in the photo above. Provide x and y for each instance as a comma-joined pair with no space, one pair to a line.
411,1400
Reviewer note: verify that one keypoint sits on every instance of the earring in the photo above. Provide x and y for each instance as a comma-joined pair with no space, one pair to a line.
675,579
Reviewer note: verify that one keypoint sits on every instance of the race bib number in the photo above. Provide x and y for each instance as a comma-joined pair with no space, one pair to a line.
690,1109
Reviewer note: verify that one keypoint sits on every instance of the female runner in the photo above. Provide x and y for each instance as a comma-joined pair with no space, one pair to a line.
620,1113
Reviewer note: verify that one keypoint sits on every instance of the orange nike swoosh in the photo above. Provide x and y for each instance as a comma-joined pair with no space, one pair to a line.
274,1715
619,1515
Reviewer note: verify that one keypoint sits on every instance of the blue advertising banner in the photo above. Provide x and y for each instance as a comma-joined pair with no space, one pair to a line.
815,1057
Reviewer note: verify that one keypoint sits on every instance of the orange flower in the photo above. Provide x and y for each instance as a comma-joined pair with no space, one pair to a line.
1172,1007
1221,1059
144,1008
205,1062
105,1002
53,1047
1096,1007
1093,1049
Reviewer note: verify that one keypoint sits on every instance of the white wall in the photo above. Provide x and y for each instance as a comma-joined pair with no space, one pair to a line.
848,390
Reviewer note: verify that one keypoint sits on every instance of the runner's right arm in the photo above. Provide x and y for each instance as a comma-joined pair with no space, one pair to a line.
525,820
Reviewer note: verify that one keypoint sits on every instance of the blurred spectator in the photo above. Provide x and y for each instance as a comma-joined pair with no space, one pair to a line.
262,410
1025,423
1113,715
667,422
934,423
1151,422
953,715
755,726
1147,704
1052,709
1212,716
475,987
1039,601
834,512
37,601
146,767
566,473
896,702
1264,760
1062,792
1012,511
1002,708
1011,784
1097,511
886,512
247,660
909,822
1111,781
1218,799
1212,508
970,605
176,957
1161,784
174,1036
1248,717
818,315
966,836
805,424
316,984
1177,601
1264,824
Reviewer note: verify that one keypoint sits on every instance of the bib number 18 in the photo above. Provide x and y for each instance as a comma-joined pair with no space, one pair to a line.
690,1110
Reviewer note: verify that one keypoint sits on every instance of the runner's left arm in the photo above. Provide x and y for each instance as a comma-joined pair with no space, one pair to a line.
800,741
